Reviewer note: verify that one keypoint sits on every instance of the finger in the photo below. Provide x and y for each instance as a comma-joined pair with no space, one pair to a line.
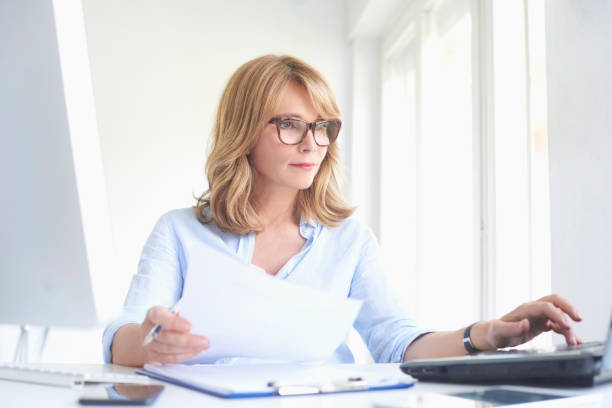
549,326
541,325
163,348
546,309
553,326
570,336
162,316
170,358
564,305
181,339
558,329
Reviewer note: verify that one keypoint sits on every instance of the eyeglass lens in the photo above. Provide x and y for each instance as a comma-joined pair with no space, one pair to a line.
293,131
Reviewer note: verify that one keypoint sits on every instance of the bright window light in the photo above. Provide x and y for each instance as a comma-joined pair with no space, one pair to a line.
436,186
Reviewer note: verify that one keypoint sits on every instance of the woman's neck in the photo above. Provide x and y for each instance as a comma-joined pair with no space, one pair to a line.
276,207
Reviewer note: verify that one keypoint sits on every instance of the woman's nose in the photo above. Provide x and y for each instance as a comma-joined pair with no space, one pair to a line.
309,142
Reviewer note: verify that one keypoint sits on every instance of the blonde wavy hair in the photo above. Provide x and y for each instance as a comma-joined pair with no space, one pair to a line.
249,100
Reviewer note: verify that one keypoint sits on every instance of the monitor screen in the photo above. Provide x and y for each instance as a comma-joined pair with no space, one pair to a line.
55,230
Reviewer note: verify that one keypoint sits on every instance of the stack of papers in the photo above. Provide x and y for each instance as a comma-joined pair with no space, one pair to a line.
245,312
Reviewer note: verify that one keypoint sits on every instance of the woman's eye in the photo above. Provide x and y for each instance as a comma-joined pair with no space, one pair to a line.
286,124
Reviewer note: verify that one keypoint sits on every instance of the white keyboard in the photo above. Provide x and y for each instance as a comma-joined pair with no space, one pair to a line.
49,375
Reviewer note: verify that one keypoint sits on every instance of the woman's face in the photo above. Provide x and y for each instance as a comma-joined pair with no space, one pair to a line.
279,166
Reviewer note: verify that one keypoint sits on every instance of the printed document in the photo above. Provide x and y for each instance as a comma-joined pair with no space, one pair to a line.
244,312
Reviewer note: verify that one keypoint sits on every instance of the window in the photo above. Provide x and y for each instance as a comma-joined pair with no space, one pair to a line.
464,203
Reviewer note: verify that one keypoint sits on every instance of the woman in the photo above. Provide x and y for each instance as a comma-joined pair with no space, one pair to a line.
274,201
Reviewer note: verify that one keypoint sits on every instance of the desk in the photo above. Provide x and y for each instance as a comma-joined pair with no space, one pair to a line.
16,394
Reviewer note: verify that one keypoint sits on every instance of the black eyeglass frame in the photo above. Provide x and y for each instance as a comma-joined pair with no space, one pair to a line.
309,126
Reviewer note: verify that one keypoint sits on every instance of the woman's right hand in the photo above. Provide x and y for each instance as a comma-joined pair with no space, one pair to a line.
174,343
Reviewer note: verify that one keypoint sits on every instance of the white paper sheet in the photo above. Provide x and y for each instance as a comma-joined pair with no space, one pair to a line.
246,313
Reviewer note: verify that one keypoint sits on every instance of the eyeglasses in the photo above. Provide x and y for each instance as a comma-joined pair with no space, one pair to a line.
293,131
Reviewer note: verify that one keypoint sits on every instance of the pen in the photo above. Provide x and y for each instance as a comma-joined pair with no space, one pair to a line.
296,388
158,327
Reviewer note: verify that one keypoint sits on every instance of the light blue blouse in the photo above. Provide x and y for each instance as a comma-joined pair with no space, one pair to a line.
343,260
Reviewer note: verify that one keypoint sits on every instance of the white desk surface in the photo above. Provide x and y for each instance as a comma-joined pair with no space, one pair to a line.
18,394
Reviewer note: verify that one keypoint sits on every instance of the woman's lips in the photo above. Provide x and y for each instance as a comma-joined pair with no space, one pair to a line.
304,166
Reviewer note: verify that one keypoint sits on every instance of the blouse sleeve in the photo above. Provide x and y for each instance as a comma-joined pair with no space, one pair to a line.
158,281
384,326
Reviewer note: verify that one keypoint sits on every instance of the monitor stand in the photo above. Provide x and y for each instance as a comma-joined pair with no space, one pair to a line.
21,351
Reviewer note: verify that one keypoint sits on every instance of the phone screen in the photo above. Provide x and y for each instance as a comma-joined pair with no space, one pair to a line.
121,394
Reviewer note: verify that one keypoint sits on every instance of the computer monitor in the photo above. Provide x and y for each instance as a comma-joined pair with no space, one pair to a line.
55,236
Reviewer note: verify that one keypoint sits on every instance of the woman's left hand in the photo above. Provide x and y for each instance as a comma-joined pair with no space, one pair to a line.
530,319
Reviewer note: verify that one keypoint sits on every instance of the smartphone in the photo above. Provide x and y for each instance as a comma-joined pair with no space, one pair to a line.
121,394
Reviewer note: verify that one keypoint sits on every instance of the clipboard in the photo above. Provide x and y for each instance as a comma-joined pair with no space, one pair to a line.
280,380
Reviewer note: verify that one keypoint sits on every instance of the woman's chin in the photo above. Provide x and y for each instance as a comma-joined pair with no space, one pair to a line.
305,185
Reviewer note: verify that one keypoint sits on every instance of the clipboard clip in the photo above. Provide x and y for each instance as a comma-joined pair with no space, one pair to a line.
351,384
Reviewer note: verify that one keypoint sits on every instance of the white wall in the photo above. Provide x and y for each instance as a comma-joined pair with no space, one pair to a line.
158,70
579,59
365,135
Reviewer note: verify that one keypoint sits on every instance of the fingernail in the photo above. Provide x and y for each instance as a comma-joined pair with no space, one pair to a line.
574,340
204,343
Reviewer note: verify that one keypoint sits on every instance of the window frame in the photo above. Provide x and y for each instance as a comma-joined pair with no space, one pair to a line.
406,32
